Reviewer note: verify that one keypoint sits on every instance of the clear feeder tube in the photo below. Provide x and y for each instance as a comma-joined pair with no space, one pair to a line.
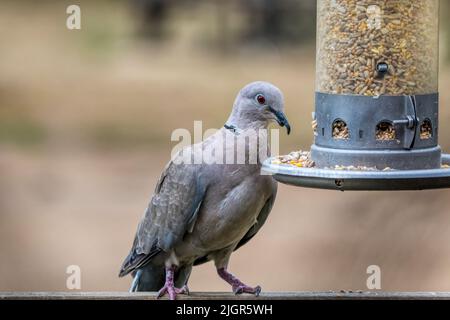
377,47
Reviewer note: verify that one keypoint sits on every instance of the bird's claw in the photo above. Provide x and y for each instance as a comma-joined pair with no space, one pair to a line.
246,289
172,291
238,286
184,290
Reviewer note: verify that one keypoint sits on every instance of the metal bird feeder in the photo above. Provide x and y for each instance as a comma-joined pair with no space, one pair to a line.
377,101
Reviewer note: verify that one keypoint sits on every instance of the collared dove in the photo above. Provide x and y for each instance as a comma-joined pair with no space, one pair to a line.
201,212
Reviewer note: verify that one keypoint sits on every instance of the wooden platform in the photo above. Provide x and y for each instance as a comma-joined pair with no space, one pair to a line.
228,296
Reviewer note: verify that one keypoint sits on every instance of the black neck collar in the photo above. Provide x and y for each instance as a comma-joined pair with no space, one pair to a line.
231,128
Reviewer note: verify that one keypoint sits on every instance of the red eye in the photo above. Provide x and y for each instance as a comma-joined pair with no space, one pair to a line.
261,99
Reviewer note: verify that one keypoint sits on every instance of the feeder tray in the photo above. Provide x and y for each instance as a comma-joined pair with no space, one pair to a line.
346,180
377,100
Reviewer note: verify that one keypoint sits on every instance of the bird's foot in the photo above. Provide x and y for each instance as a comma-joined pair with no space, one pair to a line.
246,289
238,286
169,287
172,291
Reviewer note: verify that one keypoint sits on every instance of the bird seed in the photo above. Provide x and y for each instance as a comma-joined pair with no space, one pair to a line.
300,159
385,132
426,130
377,47
340,130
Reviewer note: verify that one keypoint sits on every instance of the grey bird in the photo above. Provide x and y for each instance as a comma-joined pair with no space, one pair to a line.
203,212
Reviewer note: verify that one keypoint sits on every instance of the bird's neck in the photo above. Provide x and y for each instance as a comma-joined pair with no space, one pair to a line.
242,122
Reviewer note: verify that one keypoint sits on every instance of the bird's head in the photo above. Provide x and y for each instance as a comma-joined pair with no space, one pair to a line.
258,104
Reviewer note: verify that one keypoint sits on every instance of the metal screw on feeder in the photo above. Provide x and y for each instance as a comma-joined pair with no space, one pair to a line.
382,69
377,100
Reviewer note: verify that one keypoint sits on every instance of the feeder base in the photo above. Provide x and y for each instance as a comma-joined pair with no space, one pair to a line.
361,122
401,180
417,159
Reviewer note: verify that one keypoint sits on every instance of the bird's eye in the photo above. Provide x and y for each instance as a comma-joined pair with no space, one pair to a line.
261,99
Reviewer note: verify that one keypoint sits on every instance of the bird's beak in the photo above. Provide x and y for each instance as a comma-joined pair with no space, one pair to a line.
281,119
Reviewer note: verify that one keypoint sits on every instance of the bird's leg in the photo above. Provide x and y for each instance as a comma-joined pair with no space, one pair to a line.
169,286
238,286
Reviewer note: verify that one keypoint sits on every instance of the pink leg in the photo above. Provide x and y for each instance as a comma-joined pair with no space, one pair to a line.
169,286
237,285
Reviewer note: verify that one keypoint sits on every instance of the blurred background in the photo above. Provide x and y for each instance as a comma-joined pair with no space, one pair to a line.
85,124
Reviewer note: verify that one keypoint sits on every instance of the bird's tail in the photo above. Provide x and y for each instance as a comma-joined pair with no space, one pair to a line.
152,278
135,283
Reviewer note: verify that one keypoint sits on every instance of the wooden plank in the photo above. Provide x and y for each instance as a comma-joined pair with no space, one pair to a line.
228,296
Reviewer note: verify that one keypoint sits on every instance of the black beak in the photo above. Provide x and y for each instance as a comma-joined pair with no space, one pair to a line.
281,119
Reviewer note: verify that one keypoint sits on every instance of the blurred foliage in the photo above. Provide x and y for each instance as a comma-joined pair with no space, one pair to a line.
18,126
22,131
288,22
116,135
158,44
280,22
248,22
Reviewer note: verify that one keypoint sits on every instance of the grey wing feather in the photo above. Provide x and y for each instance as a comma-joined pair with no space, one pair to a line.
262,217
171,213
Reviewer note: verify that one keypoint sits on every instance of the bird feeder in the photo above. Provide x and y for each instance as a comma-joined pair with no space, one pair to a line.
377,101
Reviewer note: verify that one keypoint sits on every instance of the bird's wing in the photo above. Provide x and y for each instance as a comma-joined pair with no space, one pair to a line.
171,213
262,217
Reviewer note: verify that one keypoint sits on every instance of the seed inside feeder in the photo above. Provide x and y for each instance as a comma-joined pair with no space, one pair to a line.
385,132
377,47
340,130
426,130
314,127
